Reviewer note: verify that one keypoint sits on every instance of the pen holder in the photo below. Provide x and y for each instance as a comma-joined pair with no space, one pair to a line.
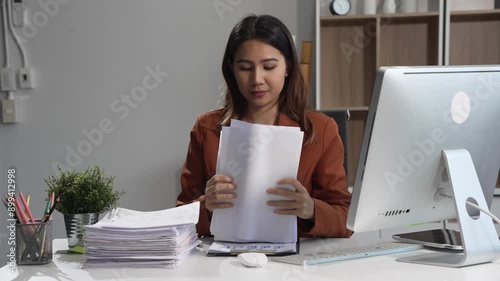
34,243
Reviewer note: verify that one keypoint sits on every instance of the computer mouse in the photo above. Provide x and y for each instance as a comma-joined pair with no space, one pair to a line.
252,259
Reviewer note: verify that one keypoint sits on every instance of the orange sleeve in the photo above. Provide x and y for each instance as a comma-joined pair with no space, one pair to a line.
329,189
193,179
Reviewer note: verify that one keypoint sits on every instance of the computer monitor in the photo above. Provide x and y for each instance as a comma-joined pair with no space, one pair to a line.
414,167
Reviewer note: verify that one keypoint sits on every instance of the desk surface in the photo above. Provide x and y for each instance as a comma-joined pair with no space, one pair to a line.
198,266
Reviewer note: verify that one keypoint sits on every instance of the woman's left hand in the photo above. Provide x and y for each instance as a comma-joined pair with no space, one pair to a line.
301,204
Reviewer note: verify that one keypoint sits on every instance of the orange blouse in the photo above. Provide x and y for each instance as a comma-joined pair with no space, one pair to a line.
321,172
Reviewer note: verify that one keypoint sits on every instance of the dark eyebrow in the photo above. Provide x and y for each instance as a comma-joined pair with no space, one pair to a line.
262,61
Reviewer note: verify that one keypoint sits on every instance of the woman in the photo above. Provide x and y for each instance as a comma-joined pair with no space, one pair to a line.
265,86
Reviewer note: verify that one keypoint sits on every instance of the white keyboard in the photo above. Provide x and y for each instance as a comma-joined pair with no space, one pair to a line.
378,249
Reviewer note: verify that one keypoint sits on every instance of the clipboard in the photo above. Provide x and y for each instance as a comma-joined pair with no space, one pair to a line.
218,248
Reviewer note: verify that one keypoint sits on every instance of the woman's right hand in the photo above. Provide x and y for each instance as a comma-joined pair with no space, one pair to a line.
218,191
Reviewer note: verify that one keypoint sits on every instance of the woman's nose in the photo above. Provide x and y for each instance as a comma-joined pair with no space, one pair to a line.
258,76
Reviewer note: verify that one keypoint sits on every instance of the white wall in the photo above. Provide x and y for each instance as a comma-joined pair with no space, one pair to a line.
87,56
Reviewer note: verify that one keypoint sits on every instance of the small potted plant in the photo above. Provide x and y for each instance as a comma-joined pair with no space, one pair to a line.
82,197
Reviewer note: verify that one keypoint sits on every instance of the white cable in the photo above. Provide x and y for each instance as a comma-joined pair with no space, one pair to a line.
6,44
484,211
487,212
14,35
10,94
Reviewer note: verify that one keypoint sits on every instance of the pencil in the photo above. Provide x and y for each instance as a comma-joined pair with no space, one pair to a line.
52,198
27,208
19,211
28,198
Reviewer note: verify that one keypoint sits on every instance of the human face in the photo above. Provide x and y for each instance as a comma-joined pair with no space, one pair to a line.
260,71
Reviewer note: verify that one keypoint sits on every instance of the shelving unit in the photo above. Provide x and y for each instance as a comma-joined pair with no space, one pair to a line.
352,48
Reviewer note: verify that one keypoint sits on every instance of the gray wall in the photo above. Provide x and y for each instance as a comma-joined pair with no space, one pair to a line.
91,55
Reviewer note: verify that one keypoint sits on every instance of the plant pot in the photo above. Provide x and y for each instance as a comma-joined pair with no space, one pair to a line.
75,229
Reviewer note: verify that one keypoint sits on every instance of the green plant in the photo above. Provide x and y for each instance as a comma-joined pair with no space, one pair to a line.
89,191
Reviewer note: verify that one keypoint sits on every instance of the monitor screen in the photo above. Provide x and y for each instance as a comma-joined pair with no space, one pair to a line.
415,114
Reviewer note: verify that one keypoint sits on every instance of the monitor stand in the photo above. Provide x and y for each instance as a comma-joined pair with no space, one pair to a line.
479,237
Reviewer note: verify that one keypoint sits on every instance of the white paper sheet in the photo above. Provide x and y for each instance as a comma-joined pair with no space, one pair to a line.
256,157
129,219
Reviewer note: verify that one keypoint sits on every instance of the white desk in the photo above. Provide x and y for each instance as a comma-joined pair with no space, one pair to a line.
198,266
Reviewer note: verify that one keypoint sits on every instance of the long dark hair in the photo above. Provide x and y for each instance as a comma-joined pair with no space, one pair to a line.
293,99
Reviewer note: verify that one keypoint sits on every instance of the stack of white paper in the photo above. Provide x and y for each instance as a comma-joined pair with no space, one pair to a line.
132,238
256,157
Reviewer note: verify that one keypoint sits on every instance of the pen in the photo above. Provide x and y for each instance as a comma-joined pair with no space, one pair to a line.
47,218
27,208
47,209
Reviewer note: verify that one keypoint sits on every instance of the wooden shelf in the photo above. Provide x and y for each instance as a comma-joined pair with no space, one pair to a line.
347,62
409,41
354,47
363,17
474,37
478,13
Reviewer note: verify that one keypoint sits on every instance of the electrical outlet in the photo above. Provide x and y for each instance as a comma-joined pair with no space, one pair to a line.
26,78
9,111
8,81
